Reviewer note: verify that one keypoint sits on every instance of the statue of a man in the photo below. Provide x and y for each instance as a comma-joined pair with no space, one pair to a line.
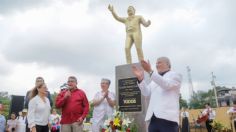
133,31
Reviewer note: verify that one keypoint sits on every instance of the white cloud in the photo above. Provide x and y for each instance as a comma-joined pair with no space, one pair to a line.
83,39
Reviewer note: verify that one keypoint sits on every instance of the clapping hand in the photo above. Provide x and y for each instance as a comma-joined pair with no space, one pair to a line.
138,72
106,94
146,66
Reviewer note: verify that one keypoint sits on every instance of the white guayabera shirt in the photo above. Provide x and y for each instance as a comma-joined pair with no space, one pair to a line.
102,110
164,95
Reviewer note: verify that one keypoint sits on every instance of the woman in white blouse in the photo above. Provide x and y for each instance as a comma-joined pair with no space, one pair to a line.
39,109
185,121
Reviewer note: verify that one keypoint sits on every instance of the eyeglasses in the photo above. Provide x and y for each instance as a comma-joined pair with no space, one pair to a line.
70,81
104,83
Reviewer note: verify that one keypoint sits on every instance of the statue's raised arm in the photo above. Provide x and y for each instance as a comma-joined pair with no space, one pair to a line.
120,19
145,23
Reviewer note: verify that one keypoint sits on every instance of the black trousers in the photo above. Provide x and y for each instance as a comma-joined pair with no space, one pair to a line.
162,125
208,125
185,125
42,128
27,129
235,125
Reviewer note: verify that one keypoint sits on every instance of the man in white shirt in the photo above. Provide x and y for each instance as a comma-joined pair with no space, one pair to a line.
211,116
104,102
164,90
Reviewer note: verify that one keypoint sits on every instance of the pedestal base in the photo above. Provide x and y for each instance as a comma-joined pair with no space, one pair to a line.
129,96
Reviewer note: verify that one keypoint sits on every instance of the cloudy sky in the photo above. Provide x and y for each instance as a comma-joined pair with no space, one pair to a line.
58,38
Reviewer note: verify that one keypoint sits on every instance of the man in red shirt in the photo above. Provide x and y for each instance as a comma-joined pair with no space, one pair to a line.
74,105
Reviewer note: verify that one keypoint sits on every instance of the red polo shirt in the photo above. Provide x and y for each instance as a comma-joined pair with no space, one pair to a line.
73,107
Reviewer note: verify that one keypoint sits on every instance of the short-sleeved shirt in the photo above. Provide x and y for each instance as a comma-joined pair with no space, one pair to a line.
54,119
184,114
2,123
12,124
102,110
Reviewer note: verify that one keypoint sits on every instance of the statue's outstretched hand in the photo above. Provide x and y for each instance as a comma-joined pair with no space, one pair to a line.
110,7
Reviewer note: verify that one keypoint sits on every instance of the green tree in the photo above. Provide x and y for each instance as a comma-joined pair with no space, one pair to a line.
90,114
199,99
6,104
53,97
182,102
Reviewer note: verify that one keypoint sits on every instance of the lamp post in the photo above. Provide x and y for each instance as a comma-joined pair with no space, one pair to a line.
214,88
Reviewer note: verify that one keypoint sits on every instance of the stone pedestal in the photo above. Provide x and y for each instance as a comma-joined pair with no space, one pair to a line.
129,96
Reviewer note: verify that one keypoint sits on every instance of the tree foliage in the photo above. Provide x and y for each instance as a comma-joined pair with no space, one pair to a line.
182,102
6,104
199,99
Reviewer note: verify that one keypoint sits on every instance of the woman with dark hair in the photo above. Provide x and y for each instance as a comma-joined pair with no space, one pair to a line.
11,123
184,120
39,109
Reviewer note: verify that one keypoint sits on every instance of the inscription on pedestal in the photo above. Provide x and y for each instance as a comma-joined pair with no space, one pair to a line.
129,95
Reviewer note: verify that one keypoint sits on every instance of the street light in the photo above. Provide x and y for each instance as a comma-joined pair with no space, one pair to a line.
214,88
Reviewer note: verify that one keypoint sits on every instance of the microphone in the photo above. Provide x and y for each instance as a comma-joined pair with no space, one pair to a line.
64,86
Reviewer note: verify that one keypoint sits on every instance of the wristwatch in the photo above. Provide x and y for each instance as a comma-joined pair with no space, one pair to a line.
150,73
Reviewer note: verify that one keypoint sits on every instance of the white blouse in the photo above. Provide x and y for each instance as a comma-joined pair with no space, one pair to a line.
21,124
38,112
184,114
11,124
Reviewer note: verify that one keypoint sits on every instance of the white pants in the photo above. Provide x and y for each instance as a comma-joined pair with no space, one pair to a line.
96,126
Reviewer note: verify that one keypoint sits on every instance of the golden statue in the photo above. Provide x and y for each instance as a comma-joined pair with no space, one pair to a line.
133,31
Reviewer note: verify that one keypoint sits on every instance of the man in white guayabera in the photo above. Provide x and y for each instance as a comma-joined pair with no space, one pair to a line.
164,89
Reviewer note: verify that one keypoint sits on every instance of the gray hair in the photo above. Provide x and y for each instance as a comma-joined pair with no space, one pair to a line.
166,59
106,80
73,78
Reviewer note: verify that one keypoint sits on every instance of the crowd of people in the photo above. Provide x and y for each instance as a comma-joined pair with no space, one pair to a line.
162,86
206,118
18,123
38,115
